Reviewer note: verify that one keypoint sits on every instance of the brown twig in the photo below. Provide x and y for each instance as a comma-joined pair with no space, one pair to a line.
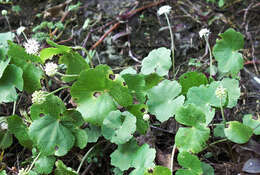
124,17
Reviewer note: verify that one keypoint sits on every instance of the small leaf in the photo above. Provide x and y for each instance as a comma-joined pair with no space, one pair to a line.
237,132
119,127
20,130
44,164
62,169
6,139
190,162
11,79
48,53
81,138
158,61
158,170
93,132
192,139
226,52
207,169
51,136
163,101
191,79
219,131
252,123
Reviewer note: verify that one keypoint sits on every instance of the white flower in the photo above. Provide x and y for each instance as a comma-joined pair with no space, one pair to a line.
22,172
204,32
38,97
164,10
146,117
32,46
4,126
221,92
51,69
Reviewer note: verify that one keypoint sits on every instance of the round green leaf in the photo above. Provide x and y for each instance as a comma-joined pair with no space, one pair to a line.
158,61
6,139
207,169
44,164
62,169
249,121
237,132
226,52
119,127
189,161
191,79
162,100
192,139
51,136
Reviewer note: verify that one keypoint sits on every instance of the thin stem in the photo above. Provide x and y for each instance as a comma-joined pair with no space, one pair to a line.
14,106
172,43
8,23
53,92
172,157
36,158
222,111
88,54
210,57
25,36
66,75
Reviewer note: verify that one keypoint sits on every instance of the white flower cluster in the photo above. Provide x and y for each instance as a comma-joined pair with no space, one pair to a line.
32,46
164,10
51,69
204,32
221,92
38,97
146,117
22,172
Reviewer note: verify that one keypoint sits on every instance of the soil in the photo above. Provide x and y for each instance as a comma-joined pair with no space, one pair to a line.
131,41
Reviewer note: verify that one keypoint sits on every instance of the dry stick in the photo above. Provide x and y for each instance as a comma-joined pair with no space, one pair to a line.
125,16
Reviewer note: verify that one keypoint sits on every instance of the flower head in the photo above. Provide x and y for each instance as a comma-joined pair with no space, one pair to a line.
221,92
32,46
204,32
51,69
146,117
38,97
4,126
22,172
164,10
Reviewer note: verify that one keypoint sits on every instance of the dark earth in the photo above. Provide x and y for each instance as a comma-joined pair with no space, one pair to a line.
128,43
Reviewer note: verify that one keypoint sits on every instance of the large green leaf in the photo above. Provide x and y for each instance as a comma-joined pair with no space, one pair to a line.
119,127
51,136
11,79
190,162
191,79
226,52
158,61
75,64
17,127
237,132
249,121
192,139
62,169
131,155
52,105
163,101
96,92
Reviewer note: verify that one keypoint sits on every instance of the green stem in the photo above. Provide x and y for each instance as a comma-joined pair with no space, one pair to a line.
14,106
53,92
172,43
88,55
172,157
222,111
66,75
36,158
210,57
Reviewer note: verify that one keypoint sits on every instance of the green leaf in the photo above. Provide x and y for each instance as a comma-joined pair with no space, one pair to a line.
93,132
6,139
190,115
162,100
4,37
128,70
17,127
131,155
75,64
3,64
191,79
62,169
3,172
51,136
11,79
158,170
119,127
158,61
48,53
207,169
81,138
226,52
192,139
190,162
44,164
219,131
237,132
249,121
62,48
52,105
138,110
233,90
152,80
